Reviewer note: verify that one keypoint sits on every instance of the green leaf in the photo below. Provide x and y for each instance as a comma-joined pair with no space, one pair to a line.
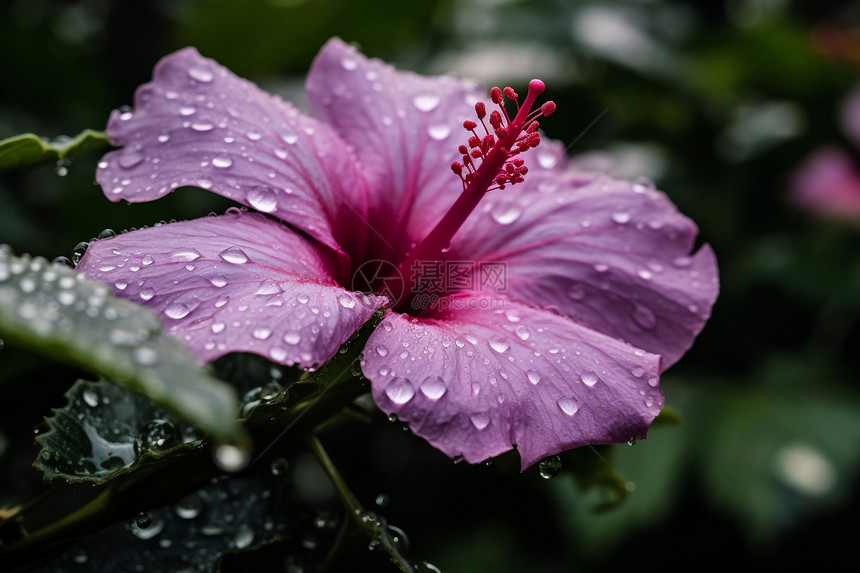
104,431
56,312
771,458
29,148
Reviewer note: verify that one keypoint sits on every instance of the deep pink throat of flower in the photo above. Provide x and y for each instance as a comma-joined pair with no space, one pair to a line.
563,294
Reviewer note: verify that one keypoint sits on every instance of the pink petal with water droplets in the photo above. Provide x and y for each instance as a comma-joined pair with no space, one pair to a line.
405,129
614,256
198,124
235,283
474,382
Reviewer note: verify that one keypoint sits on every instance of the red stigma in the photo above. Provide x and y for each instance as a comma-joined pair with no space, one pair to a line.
505,138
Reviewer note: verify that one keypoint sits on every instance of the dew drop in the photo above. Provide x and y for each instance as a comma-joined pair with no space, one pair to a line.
506,213
522,332
202,126
201,75
399,390
146,293
244,536
186,255
644,317
146,356
279,466
480,420
346,301
177,310
217,327
349,64
533,376
382,350
262,333
222,161
130,159
499,343
234,255
147,260
439,132
218,281
91,398
568,404
621,218
433,387
189,507
292,338
231,458
426,102
589,378
549,467
187,110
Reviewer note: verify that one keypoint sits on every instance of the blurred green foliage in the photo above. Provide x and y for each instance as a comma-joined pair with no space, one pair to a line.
718,102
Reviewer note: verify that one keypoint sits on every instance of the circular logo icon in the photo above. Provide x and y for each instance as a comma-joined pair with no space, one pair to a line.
380,277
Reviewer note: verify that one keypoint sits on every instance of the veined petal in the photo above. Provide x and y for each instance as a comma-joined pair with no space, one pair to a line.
405,129
614,256
235,283
198,124
486,374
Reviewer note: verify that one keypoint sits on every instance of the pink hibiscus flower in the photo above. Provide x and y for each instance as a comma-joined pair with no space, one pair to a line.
537,316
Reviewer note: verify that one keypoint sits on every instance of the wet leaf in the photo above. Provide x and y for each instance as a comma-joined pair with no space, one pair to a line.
29,148
105,431
52,310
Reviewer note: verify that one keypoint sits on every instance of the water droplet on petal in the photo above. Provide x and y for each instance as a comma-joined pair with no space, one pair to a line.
262,333
218,281
201,75
399,390
426,102
381,350
499,343
292,338
480,420
129,159
222,161
589,378
186,255
621,218
433,387
439,132
549,467
506,213
146,293
349,64
234,255
187,110
346,301
177,310
533,376
568,404
644,317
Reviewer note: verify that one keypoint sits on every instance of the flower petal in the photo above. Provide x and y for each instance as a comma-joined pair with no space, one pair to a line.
828,184
612,255
235,283
198,124
475,381
405,129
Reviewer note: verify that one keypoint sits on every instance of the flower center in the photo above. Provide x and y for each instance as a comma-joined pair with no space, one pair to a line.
490,160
